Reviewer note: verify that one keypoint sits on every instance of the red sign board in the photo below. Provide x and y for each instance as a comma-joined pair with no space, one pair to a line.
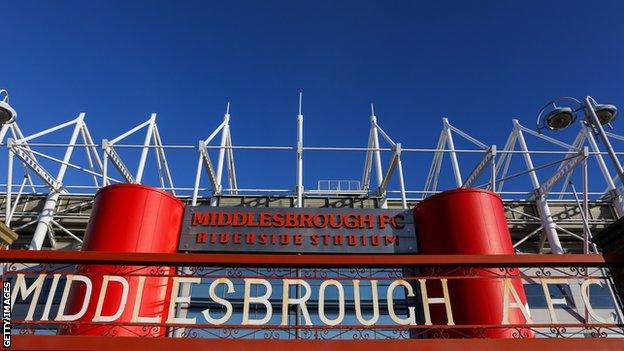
291,230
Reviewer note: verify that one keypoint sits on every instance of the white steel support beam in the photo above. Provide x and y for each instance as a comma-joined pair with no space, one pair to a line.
205,157
23,152
566,168
503,162
66,231
548,224
223,146
401,179
145,150
384,135
197,177
215,180
527,237
159,167
592,118
48,131
434,170
445,144
299,172
476,172
299,185
47,213
368,162
204,160
151,140
27,158
162,160
468,137
618,197
17,198
92,147
3,131
68,164
377,155
233,183
226,154
90,159
381,191
104,166
51,237
585,208
9,190
576,147
452,154
545,137
110,153
492,185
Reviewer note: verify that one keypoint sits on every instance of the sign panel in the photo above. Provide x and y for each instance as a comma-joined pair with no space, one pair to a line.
297,230
509,302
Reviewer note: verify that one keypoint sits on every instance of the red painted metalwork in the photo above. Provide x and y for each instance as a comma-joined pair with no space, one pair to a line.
130,218
292,260
468,222
65,343
454,265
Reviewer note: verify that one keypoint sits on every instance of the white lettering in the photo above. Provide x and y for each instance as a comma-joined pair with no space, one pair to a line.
411,319
122,302
180,299
341,302
20,287
301,301
446,300
264,300
61,316
217,299
358,307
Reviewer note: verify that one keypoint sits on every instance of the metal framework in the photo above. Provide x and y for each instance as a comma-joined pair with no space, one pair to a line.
522,181
575,269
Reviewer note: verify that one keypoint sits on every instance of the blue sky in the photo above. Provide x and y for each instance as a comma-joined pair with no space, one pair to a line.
478,63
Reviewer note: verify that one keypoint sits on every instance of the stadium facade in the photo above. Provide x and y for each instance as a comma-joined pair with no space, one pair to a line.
498,250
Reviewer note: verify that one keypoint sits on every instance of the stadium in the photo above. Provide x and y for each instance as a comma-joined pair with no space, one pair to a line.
128,241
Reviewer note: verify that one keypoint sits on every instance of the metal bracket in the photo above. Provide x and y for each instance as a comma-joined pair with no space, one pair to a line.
476,172
390,169
203,152
566,168
34,165
117,162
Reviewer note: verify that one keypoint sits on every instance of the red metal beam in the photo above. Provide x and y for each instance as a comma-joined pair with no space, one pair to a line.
69,343
307,260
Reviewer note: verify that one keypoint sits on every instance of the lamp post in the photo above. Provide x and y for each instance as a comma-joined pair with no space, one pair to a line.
598,115
7,113
595,116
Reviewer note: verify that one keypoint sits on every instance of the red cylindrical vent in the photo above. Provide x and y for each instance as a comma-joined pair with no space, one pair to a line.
128,218
469,222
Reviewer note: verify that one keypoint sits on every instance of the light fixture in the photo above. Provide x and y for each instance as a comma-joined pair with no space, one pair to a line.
7,113
606,113
594,116
559,118
558,113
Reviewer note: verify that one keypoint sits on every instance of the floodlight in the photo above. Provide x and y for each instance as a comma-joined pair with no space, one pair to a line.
606,113
560,118
7,113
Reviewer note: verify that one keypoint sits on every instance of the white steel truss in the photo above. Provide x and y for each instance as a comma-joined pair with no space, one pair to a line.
226,155
19,146
445,145
152,140
373,154
42,179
